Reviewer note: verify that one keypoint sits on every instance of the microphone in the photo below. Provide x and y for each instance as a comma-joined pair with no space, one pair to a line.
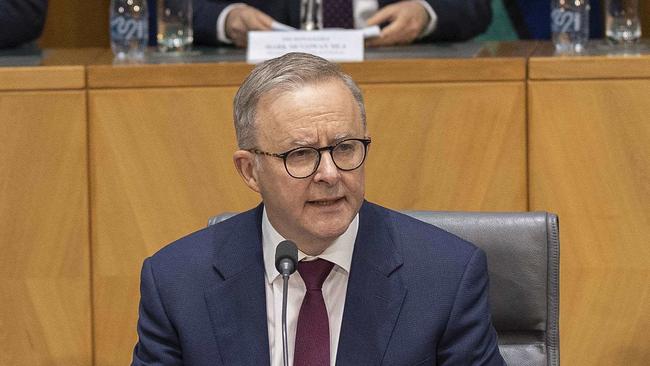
286,258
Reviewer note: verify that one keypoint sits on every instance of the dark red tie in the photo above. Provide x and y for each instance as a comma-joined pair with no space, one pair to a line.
337,14
313,330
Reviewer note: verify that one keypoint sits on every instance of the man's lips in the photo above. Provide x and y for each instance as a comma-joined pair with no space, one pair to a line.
325,201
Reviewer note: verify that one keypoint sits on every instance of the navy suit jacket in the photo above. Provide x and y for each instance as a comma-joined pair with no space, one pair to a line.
532,18
21,21
417,295
458,20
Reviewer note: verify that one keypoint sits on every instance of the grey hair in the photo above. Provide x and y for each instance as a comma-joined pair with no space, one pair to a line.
286,73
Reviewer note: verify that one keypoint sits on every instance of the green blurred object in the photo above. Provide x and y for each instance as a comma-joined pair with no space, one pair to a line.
501,28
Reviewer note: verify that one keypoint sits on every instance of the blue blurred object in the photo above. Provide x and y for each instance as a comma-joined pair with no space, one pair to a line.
153,25
532,18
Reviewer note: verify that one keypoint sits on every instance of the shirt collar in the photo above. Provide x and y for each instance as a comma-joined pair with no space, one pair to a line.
339,252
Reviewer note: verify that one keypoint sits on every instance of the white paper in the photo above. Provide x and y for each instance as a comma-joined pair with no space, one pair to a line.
334,45
371,32
368,32
281,26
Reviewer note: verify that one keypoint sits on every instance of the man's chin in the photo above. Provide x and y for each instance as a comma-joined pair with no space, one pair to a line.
329,232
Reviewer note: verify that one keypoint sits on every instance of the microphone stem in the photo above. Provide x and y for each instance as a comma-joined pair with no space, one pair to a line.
285,347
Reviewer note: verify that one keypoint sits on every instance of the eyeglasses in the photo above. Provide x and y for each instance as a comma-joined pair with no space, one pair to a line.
302,162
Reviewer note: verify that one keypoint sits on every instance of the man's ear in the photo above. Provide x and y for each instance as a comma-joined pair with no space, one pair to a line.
245,164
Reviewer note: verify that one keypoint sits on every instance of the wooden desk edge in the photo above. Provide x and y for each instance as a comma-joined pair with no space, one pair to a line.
167,75
371,71
586,68
42,78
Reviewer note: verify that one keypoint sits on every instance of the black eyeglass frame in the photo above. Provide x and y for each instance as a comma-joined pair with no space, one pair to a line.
330,148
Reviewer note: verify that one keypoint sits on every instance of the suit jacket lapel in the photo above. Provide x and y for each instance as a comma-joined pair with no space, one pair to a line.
237,302
375,292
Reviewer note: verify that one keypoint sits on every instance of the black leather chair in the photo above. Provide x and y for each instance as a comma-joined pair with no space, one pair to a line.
523,251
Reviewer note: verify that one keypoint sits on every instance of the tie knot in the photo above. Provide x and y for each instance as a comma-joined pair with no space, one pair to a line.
314,272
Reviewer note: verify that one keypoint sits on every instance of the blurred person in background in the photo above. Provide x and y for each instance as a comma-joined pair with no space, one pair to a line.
218,22
21,21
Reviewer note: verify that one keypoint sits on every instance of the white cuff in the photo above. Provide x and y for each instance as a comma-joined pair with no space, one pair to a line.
221,23
433,19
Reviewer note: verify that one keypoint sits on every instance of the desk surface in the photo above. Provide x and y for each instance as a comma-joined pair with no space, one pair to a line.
95,68
64,68
416,63
600,60
34,69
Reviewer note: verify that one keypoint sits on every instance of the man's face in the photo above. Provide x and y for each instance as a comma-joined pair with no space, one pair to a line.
315,210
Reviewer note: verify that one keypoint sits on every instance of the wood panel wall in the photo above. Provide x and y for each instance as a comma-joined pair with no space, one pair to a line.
76,23
590,163
45,313
447,146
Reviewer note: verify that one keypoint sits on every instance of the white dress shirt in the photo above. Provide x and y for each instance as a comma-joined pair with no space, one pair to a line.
334,289
362,10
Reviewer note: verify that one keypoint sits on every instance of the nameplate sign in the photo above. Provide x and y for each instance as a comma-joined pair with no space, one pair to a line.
334,45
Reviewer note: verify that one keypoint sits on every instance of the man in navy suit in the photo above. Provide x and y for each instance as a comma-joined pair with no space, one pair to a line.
21,21
393,290
228,21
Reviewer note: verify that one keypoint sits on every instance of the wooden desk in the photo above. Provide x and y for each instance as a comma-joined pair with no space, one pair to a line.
589,161
45,316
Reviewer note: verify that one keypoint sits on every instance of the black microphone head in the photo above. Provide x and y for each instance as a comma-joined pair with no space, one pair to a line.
286,257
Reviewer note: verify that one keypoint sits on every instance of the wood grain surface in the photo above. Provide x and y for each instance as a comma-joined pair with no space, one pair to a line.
590,163
447,146
604,67
103,74
76,23
37,77
45,314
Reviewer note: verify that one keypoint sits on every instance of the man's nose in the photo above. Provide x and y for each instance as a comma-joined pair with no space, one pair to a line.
327,170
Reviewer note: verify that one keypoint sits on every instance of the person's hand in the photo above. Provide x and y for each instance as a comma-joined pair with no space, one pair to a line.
242,19
406,20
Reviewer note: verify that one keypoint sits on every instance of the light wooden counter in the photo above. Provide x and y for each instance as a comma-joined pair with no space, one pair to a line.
589,161
45,312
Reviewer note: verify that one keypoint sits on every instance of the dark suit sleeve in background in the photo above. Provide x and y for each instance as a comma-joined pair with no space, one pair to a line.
21,21
206,13
459,20
469,338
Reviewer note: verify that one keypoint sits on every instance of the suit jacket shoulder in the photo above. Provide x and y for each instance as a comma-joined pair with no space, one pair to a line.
434,288
200,291
203,245
418,241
